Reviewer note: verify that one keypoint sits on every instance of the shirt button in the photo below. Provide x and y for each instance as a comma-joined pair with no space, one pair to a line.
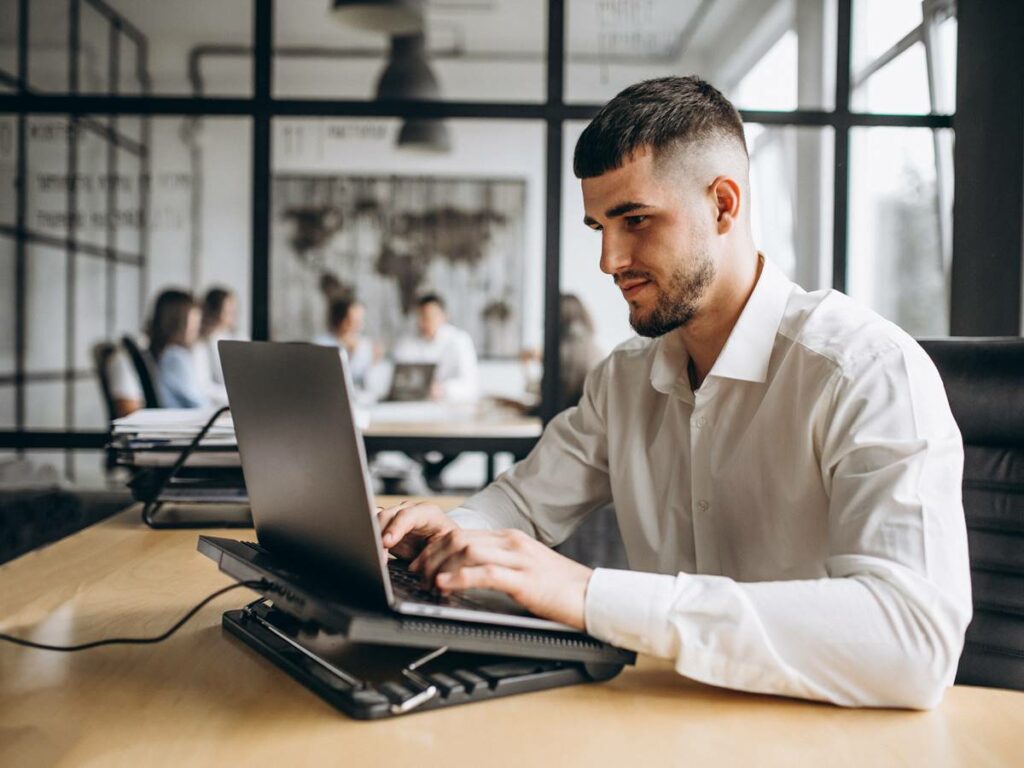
703,505
702,422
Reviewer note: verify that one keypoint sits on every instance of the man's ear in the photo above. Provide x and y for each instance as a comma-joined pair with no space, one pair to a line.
727,196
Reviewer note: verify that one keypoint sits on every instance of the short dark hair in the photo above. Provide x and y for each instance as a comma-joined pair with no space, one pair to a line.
431,298
338,311
655,113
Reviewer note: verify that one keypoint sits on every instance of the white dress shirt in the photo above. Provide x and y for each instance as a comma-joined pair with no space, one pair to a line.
206,361
453,352
795,525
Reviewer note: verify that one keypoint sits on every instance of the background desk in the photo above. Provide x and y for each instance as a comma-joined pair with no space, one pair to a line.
483,428
201,698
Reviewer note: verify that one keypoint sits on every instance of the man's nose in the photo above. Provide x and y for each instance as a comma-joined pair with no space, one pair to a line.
614,255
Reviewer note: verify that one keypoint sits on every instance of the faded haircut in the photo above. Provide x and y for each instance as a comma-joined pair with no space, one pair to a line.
663,113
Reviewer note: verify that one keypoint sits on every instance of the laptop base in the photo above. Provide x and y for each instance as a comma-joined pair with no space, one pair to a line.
371,681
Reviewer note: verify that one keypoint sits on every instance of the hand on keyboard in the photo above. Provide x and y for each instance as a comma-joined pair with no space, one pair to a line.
546,583
408,527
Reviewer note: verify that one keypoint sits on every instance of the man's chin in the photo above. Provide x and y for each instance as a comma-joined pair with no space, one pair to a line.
651,325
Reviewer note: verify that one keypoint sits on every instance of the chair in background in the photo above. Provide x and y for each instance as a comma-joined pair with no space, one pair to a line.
102,353
145,368
984,381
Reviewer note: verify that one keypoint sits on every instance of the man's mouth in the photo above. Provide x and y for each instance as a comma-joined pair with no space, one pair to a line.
632,288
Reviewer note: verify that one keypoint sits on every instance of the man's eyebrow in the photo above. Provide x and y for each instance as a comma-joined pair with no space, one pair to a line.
618,210
623,208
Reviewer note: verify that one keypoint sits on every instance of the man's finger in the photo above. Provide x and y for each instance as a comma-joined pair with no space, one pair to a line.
489,576
462,548
425,519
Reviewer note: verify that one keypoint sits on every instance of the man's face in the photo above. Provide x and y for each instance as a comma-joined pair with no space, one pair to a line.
656,235
430,318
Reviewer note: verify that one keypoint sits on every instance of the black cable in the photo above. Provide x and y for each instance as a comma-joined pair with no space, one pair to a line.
188,451
136,640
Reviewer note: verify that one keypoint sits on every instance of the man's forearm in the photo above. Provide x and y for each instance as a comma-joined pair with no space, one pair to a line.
864,640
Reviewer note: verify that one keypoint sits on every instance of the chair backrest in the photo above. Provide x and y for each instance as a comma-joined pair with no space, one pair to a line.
101,356
984,381
145,368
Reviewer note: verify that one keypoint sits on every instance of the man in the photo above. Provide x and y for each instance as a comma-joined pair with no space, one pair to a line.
784,465
455,378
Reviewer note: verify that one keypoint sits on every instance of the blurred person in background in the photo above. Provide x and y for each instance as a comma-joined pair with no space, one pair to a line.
219,321
451,349
578,354
173,331
345,321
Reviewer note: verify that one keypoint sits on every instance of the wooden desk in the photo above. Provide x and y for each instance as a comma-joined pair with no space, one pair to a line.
202,698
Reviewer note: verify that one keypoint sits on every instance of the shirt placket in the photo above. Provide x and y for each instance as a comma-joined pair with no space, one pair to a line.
702,499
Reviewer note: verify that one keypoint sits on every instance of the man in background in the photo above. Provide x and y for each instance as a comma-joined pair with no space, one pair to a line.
456,378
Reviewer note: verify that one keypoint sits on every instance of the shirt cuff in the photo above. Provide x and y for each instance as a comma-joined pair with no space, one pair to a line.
630,609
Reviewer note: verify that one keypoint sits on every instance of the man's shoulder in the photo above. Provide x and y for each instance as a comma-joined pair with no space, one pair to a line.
830,325
631,358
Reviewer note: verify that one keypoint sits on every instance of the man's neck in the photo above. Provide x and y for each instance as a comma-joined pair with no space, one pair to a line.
705,335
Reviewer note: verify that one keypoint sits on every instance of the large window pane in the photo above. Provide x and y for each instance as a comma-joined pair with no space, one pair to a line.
7,304
392,225
47,300
762,55
194,47
492,51
902,62
8,169
8,45
900,224
44,406
199,207
6,407
791,179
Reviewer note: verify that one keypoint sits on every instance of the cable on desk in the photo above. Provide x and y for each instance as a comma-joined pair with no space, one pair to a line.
136,640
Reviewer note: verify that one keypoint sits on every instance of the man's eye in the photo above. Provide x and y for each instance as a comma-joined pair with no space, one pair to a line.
634,221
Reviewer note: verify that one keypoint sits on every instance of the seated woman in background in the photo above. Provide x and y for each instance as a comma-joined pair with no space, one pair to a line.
345,331
173,331
219,319
578,354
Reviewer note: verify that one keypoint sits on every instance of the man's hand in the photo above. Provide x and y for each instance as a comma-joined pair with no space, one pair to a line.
407,527
546,583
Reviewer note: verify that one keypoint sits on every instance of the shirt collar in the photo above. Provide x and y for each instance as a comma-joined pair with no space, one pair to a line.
748,349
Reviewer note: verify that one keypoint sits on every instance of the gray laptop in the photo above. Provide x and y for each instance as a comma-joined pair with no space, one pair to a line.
308,485
411,382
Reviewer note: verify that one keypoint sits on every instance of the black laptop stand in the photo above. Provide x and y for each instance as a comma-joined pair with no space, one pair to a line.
372,664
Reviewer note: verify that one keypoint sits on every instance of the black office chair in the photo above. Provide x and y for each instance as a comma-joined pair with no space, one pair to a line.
101,356
984,381
145,369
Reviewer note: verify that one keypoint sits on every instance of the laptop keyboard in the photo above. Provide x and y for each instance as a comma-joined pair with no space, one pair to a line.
409,586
